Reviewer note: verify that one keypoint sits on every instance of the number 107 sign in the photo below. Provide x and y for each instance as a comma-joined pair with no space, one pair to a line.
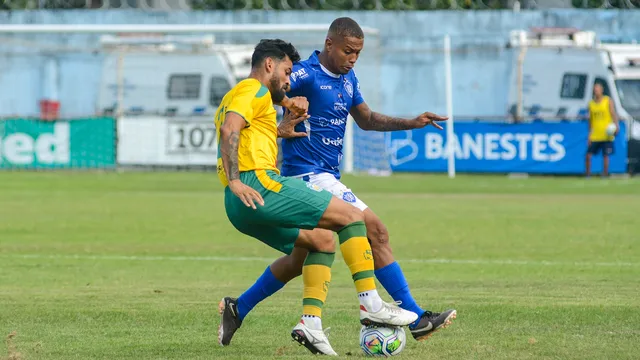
157,140
191,137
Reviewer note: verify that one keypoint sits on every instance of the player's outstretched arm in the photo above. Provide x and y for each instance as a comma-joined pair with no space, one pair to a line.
229,142
371,120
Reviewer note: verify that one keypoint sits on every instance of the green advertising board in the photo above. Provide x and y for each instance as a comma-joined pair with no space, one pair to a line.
78,143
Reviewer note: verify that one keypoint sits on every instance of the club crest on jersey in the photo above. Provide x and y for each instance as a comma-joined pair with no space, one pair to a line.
314,187
349,87
349,197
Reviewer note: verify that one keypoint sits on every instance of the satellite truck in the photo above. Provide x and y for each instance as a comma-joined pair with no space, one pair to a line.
555,71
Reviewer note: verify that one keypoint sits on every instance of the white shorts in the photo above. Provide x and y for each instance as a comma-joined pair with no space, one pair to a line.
331,184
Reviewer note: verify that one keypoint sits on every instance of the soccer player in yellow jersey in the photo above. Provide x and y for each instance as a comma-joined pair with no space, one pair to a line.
601,114
282,212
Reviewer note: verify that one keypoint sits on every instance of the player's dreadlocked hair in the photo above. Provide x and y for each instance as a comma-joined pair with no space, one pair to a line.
274,48
346,27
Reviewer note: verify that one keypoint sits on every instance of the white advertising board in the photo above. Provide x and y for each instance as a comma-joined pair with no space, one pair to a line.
158,140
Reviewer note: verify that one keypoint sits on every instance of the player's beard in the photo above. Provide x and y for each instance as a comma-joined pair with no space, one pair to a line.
277,91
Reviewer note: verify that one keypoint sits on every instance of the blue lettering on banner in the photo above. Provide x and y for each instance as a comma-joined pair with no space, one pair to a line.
552,148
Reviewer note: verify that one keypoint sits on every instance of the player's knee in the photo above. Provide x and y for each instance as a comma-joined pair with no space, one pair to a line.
353,214
324,242
317,240
378,234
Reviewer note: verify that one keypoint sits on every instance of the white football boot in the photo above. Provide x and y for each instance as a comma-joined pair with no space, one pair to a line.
388,315
314,340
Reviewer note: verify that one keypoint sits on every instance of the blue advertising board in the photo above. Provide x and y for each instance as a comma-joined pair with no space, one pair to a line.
538,147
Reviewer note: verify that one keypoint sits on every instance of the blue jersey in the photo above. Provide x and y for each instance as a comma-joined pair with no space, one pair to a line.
330,96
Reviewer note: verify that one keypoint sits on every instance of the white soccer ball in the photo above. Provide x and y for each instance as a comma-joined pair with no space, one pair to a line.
611,129
382,341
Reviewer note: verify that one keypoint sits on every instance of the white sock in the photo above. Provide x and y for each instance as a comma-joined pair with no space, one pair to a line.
370,300
312,322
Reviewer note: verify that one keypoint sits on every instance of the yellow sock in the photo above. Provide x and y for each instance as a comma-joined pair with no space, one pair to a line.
316,276
357,254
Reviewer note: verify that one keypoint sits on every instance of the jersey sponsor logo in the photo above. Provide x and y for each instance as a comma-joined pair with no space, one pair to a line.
349,87
300,74
313,187
349,197
334,122
340,106
334,142
325,87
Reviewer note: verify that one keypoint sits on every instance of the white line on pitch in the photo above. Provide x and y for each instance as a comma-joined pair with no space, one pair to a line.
234,258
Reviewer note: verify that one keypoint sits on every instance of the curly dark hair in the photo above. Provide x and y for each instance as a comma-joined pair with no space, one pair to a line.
273,48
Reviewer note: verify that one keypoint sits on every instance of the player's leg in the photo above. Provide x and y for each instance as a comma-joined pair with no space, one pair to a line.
587,160
316,277
284,269
387,270
316,255
310,207
289,267
265,223
390,275
607,150
591,150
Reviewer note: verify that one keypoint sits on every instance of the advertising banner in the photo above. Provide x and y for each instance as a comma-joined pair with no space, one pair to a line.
158,140
539,147
78,143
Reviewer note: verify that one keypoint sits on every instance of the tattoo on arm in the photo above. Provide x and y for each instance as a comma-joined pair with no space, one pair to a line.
380,122
229,149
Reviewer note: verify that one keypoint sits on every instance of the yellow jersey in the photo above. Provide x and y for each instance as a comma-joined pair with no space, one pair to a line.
600,118
257,148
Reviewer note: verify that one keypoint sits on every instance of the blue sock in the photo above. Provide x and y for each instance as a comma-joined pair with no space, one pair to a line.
265,286
393,280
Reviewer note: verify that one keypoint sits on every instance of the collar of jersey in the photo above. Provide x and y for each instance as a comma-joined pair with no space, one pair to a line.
315,60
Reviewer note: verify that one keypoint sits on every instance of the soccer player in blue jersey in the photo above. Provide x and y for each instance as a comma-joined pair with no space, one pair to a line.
313,150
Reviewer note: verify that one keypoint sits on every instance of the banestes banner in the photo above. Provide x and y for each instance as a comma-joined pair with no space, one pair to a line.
539,147
79,143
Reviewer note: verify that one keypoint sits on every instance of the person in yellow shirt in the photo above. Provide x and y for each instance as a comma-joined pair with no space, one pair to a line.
601,114
282,212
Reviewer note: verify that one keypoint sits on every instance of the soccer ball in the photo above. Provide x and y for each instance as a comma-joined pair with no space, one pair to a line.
382,341
611,129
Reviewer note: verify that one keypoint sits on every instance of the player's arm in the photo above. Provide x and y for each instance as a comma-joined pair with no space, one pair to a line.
298,79
371,120
298,105
287,127
614,116
229,143
589,125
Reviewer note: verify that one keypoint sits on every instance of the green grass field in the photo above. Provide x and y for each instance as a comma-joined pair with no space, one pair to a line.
132,266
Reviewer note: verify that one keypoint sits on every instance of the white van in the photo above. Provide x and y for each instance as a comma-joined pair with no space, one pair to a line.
555,69
170,77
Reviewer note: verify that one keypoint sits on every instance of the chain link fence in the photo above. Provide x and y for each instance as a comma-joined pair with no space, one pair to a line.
314,4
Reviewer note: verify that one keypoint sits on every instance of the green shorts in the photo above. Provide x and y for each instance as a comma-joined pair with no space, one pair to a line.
290,204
